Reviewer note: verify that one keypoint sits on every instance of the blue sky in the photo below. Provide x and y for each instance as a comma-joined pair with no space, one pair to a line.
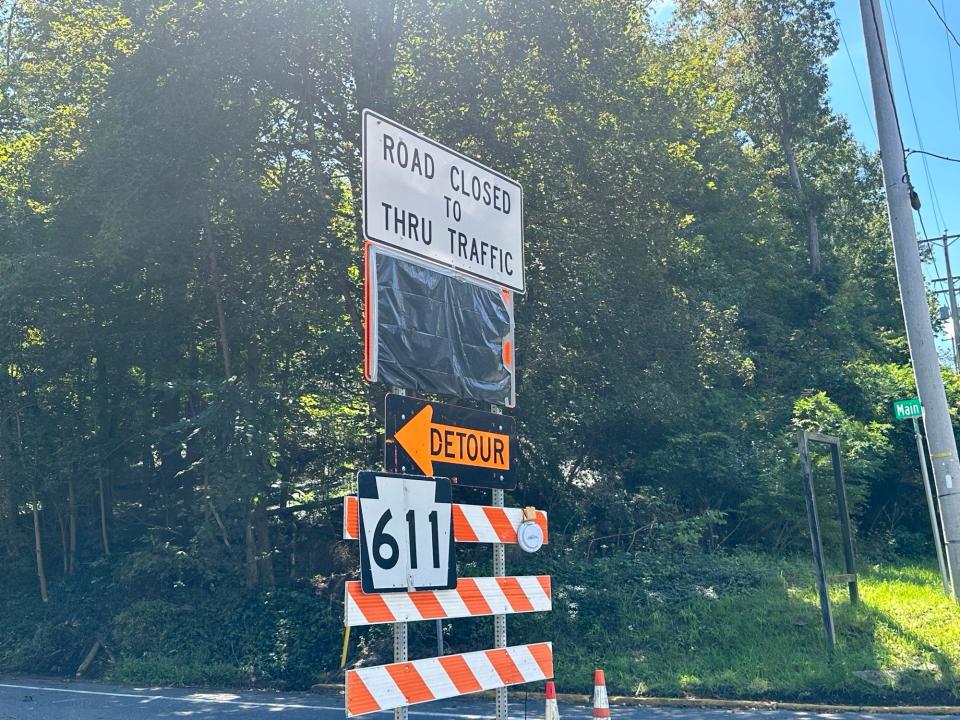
927,55
923,64
926,52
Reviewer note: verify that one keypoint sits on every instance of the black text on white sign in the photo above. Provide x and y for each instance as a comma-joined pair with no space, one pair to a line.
406,533
432,201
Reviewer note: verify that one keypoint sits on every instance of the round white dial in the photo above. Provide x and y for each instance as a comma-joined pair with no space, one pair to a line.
529,536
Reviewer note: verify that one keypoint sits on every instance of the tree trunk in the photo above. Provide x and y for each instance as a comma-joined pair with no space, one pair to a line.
91,656
375,28
813,242
64,545
11,21
264,545
223,528
7,511
813,226
293,552
106,431
72,524
317,159
104,535
6,490
250,550
207,235
252,576
81,390
38,547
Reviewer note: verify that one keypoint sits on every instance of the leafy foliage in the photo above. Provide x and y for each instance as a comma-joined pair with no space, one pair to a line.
181,403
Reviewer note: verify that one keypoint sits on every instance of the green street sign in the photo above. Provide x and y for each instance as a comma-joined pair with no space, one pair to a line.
907,409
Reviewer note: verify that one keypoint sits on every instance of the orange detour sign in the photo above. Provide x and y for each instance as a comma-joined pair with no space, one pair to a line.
469,446
425,440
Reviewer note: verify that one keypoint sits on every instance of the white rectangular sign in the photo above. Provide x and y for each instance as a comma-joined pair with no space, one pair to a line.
406,533
432,201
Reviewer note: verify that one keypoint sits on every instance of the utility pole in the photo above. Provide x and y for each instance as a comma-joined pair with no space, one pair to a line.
913,294
952,293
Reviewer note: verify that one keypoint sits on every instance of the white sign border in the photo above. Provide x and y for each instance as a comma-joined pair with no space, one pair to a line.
441,483
522,290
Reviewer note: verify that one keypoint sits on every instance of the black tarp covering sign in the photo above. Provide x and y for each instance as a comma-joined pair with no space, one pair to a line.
433,330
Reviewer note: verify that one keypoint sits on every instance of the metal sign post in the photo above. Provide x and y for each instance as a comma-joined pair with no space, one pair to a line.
816,539
401,638
934,524
499,621
931,508
400,649
912,409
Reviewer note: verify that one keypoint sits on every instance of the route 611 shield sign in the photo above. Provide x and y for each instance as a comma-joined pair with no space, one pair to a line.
406,533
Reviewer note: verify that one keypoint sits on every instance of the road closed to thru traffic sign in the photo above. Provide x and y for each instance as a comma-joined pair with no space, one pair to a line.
432,201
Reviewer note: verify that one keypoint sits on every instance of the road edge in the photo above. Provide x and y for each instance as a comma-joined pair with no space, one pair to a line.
721,704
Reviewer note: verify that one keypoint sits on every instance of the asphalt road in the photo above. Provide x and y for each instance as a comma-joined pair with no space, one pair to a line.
34,699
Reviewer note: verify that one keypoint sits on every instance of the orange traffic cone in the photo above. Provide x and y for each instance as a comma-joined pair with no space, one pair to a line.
601,705
552,712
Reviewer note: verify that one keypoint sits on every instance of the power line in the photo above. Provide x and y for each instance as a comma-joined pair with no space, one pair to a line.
953,75
927,238
932,255
937,213
933,154
856,75
943,21
951,238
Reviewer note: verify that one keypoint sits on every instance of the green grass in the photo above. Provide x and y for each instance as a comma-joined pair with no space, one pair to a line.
737,625
767,641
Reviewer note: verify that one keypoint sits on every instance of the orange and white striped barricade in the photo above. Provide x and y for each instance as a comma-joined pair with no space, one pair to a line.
473,597
407,683
401,684
471,523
